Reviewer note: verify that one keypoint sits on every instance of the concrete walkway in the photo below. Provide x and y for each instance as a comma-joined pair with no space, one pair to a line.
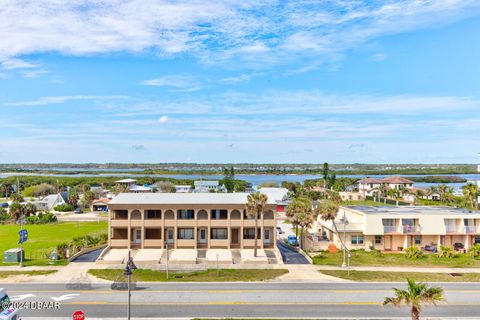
402,269
306,273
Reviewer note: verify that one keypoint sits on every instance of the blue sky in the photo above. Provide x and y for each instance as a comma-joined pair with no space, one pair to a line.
240,81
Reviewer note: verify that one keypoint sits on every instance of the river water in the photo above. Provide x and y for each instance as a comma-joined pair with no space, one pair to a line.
255,179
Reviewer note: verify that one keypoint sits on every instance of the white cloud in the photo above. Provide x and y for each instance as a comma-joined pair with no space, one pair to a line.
261,32
62,99
235,80
184,83
13,63
163,119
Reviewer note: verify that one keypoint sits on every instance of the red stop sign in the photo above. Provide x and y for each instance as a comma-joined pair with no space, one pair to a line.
78,315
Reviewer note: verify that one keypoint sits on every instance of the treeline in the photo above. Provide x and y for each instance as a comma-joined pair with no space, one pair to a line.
438,179
217,169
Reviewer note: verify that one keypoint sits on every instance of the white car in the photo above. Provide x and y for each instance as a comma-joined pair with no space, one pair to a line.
7,312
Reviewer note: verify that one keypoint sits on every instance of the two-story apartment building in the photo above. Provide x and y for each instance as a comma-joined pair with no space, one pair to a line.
370,185
396,228
188,220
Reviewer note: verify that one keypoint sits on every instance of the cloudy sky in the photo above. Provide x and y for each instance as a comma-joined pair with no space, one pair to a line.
240,81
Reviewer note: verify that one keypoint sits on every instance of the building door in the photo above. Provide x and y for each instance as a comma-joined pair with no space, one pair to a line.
234,236
137,236
387,243
202,235
170,235
267,236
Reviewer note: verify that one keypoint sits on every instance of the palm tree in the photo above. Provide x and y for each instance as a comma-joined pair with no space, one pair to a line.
415,296
383,192
292,211
255,204
305,220
419,194
470,194
30,209
301,212
394,194
6,189
16,210
328,211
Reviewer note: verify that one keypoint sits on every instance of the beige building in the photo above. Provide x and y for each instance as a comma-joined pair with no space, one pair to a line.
396,228
187,220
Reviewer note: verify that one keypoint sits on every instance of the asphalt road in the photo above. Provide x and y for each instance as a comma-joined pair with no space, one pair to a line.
242,300
89,257
290,256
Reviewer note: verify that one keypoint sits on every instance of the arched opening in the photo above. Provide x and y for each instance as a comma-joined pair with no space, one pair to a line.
268,215
202,215
235,215
136,215
169,215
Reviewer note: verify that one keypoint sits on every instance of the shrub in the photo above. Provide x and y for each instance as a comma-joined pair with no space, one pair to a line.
42,218
64,208
474,251
80,243
446,252
413,253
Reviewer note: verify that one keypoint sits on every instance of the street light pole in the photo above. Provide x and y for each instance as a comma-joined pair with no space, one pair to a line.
344,221
128,273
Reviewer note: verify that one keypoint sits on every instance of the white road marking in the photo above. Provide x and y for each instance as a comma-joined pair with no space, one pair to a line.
65,297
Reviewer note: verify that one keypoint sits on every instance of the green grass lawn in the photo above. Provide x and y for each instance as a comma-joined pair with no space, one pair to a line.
375,276
4,274
147,275
45,237
375,258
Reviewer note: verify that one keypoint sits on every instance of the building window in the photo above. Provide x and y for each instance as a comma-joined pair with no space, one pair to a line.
219,233
357,240
219,214
153,214
418,239
186,234
186,214
378,239
477,239
249,233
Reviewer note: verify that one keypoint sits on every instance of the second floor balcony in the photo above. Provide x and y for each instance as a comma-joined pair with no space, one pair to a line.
411,228
469,229
390,229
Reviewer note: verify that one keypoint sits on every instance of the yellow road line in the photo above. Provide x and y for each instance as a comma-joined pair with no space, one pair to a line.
228,291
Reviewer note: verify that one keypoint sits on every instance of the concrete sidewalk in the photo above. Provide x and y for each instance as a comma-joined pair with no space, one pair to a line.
402,269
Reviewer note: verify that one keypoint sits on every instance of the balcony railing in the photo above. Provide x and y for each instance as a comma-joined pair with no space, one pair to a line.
390,229
469,229
451,229
411,228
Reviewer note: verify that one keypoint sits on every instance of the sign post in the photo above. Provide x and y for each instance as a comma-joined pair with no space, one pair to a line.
23,237
78,315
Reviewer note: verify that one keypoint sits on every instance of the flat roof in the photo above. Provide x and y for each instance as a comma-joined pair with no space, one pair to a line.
404,210
182,198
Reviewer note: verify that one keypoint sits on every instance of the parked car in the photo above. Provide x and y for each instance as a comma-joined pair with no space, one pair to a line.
292,240
7,312
430,248
78,210
458,246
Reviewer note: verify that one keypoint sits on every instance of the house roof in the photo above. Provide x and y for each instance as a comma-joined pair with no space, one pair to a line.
101,200
370,180
398,180
387,180
204,183
140,188
182,198
277,194
409,210
126,181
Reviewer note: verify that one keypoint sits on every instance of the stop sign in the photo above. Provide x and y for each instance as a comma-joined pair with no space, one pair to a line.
78,315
